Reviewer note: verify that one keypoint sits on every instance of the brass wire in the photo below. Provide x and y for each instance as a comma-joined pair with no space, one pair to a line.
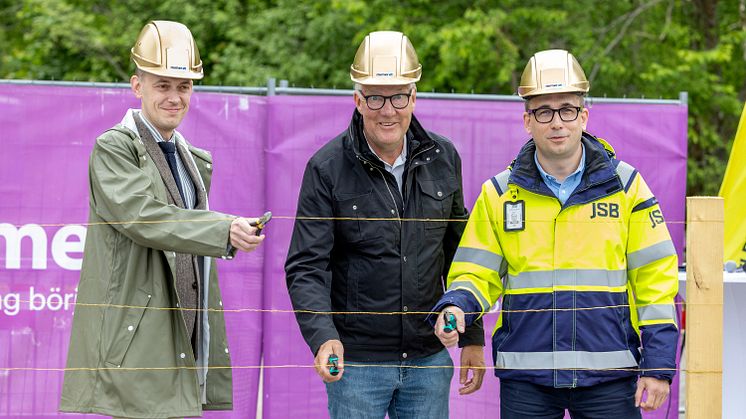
353,365
328,313
348,365
319,218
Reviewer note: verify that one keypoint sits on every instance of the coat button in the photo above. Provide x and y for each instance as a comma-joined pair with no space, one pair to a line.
354,207
221,303
208,165
405,259
393,211
226,350
130,328
428,158
405,308
182,355
404,355
437,150
440,193
194,285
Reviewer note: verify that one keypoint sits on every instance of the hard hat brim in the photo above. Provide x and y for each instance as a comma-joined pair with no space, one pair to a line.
384,81
531,93
171,74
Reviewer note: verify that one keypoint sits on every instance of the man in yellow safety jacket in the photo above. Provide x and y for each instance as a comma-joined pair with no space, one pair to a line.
575,243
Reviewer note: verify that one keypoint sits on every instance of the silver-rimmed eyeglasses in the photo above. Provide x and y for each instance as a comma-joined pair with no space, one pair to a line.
376,102
566,114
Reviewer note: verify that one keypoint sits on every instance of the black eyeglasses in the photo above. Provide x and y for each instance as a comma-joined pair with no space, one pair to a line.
566,114
376,102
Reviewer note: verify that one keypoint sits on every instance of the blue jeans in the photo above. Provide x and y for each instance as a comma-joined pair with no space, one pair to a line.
615,399
405,393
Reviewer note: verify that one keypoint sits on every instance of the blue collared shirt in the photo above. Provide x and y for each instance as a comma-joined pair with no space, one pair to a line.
563,190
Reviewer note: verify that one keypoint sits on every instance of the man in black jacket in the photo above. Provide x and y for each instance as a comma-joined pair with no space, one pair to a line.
379,219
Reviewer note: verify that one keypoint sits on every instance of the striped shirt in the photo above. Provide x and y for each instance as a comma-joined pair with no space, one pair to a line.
186,181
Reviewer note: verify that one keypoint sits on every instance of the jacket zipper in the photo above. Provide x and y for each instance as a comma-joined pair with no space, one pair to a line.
410,166
388,188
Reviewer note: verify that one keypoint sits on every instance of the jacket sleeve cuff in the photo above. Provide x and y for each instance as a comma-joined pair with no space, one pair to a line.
474,335
230,251
660,368
461,299
660,344
321,338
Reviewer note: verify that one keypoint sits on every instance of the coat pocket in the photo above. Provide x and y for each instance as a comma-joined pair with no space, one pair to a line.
125,321
356,218
436,201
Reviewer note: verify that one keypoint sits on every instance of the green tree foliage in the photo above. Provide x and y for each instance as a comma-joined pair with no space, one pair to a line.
632,48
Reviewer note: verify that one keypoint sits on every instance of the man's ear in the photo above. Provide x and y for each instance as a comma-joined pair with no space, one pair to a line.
584,117
136,86
359,101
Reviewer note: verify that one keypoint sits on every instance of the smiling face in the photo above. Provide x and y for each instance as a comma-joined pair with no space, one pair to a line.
385,128
556,141
165,100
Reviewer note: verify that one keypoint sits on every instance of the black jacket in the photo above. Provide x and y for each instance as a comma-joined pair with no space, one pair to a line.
356,245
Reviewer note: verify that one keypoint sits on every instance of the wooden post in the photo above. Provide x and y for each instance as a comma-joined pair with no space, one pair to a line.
704,307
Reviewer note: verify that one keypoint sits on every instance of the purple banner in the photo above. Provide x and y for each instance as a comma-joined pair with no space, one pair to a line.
47,136
488,135
260,146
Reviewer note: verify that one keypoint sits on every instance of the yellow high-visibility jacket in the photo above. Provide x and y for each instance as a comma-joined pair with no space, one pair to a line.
588,287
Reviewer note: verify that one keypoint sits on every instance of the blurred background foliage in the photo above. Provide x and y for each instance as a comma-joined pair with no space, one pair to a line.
629,48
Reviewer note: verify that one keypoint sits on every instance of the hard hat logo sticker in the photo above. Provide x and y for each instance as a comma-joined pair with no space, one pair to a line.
178,67
553,85
385,74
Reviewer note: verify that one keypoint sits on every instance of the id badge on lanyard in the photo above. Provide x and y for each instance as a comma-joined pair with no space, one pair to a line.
514,215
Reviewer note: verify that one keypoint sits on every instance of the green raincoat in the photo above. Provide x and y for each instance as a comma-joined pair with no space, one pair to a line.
128,356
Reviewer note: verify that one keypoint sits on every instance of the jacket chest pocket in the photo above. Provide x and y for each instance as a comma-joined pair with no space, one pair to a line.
436,201
355,215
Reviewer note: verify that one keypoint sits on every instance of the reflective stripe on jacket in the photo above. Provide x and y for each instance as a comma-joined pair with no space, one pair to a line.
581,282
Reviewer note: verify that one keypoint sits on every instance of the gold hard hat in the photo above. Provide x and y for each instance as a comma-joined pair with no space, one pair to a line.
166,48
552,71
386,58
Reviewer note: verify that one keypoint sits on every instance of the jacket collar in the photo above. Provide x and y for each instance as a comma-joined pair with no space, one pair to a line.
129,122
417,138
599,176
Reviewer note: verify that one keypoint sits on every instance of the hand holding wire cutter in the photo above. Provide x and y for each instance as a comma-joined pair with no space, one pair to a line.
261,222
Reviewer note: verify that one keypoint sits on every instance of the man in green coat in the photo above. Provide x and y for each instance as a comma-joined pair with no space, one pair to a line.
148,337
